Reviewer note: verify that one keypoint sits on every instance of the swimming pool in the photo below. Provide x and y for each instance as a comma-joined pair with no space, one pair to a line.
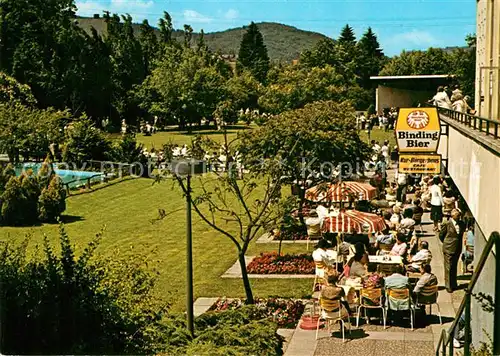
72,178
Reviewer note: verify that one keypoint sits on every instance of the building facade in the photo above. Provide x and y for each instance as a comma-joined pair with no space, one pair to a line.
488,59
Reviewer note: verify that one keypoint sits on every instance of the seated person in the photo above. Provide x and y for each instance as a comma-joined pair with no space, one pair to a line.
380,202
396,216
320,255
356,265
427,279
387,219
385,237
423,256
407,224
332,292
390,196
418,211
313,223
397,280
400,247
355,238
372,279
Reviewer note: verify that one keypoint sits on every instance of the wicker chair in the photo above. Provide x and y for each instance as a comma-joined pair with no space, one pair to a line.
328,310
374,295
428,296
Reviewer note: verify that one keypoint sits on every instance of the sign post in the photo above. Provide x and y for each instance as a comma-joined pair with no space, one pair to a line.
417,134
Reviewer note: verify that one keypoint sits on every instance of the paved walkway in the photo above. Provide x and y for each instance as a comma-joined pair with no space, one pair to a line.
400,340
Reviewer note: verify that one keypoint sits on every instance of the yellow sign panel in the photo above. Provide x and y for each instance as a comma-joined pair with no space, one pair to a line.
419,164
418,130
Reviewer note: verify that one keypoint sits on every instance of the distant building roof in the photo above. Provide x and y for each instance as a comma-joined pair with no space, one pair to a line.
397,77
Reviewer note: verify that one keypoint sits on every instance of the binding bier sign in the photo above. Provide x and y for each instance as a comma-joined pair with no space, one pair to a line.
418,130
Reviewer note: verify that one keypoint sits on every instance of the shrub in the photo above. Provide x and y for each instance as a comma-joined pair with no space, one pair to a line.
14,203
68,305
52,201
272,263
85,142
244,331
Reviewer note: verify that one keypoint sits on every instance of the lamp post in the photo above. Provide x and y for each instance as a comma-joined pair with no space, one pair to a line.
187,168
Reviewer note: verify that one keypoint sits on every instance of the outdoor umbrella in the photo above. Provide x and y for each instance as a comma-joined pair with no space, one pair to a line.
341,192
351,221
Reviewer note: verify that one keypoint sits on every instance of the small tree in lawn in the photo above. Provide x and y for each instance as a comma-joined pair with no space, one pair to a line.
310,143
238,209
52,201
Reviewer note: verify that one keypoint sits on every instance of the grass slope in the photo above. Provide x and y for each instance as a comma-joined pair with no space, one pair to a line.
284,43
126,210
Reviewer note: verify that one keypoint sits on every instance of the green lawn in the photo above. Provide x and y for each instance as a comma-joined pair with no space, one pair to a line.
126,210
182,137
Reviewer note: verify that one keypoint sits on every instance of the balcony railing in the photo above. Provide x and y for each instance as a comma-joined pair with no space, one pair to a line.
445,345
487,126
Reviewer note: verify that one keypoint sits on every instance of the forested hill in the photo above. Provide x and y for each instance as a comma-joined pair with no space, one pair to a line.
284,43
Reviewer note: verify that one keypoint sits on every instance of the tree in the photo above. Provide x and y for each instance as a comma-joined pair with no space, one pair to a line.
432,61
464,67
185,87
295,87
347,36
323,53
29,131
13,91
52,201
166,28
238,209
253,53
310,143
370,58
149,45
84,142
14,202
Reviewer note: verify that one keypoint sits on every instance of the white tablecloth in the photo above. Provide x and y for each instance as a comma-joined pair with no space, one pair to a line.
386,259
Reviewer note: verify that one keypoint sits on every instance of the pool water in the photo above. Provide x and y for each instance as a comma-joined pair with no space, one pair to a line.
72,178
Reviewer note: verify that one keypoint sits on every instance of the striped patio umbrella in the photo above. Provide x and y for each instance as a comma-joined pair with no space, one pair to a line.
341,192
351,221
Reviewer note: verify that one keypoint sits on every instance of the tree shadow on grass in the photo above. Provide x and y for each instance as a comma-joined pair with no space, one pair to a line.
68,219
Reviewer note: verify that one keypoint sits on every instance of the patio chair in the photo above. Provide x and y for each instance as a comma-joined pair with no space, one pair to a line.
400,300
386,269
371,298
428,296
320,274
313,232
467,258
384,248
328,310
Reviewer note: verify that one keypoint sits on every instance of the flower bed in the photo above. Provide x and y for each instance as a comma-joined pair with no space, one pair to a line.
290,236
285,312
272,263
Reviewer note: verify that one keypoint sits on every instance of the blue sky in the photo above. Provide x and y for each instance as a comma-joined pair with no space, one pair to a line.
399,25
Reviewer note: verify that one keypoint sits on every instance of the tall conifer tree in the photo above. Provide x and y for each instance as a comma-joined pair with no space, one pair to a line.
253,53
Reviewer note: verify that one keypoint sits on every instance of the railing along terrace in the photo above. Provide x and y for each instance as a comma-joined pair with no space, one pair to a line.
488,126
445,345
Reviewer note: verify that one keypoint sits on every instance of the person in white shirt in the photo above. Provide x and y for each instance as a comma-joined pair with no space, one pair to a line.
384,150
402,180
320,254
441,99
423,256
313,223
436,203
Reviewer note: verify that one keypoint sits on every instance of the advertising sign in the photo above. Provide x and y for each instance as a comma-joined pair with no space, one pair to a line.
419,164
418,130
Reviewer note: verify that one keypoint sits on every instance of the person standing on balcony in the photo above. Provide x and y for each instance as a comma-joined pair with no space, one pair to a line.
451,236
441,99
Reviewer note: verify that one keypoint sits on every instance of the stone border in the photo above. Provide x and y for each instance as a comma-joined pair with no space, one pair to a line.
235,272
268,239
